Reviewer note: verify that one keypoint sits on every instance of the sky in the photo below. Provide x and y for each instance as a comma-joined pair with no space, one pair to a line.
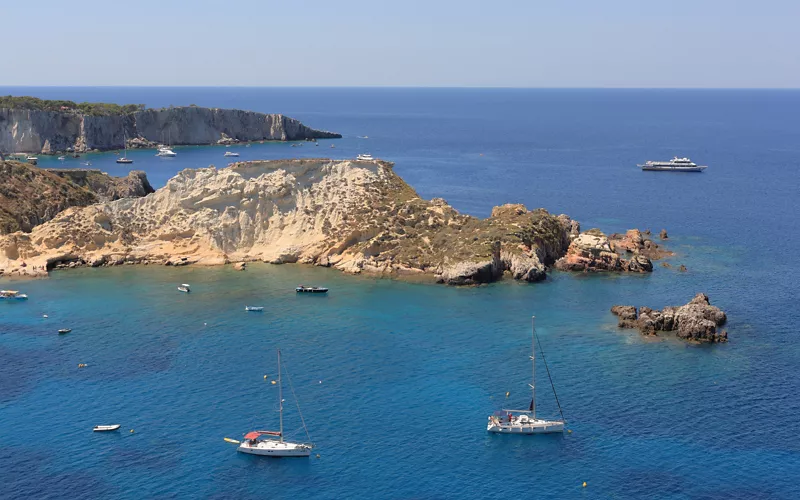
465,43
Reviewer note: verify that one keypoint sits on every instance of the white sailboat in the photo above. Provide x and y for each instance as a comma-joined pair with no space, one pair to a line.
525,421
125,158
264,442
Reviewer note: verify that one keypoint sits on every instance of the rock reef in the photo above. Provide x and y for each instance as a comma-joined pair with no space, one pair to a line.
356,216
696,321
47,131
30,196
593,251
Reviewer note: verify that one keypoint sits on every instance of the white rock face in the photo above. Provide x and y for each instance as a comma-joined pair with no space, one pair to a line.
34,131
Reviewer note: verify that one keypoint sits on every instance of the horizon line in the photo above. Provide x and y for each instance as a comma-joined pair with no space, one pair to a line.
430,87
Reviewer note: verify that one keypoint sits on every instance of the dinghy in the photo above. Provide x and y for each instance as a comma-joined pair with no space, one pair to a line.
184,288
64,330
254,308
106,428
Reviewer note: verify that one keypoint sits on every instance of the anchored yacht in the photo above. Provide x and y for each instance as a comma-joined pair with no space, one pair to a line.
674,165
166,152
364,157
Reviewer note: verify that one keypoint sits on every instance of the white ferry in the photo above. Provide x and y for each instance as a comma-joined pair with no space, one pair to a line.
674,165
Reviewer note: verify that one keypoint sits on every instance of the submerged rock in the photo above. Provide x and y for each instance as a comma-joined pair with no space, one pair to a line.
696,321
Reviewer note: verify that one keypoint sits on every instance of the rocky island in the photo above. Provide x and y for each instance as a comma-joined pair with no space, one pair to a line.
696,321
30,196
356,216
32,125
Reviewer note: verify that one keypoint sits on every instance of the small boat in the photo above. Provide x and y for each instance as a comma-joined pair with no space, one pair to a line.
333,145
124,159
310,289
87,163
525,421
674,165
363,137
254,308
264,442
364,157
296,145
12,295
64,330
32,160
62,158
230,153
165,152
184,288
247,145
106,428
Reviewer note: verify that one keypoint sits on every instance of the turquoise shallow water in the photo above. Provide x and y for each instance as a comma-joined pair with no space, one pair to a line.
396,379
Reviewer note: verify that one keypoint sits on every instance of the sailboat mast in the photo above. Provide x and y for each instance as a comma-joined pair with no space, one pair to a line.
533,366
280,394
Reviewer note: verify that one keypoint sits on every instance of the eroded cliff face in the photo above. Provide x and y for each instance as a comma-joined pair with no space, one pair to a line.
30,196
357,216
35,131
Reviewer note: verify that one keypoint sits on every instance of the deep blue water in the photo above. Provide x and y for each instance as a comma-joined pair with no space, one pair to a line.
396,379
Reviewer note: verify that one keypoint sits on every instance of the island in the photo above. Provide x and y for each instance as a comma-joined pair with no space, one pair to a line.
31,125
356,216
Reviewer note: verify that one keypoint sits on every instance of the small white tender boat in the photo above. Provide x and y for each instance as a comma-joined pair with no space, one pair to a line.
310,289
231,153
106,428
12,295
254,308
62,158
184,288
264,443
64,330
525,421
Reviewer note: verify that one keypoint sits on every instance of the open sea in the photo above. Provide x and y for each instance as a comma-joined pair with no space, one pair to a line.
396,379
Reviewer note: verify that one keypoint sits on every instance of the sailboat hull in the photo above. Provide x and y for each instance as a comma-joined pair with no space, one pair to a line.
529,427
275,449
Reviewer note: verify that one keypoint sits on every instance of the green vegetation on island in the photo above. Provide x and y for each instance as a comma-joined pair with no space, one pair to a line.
87,108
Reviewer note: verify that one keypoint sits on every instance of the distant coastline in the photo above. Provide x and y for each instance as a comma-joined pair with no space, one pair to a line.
32,125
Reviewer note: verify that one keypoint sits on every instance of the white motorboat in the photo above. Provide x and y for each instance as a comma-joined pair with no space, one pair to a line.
64,330
264,443
184,288
165,152
364,157
106,428
231,153
310,289
525,421
32,160
12,295
254,308
62,158
674,165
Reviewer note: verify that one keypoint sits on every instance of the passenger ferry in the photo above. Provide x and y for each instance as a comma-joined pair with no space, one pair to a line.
674,165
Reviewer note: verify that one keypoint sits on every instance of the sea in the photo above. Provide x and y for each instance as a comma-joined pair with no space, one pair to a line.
395,379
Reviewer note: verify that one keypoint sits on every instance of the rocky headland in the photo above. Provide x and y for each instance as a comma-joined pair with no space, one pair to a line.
30,196
696,321
47,127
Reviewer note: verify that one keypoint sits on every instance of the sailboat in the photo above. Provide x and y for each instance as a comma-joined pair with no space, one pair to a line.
525,421
265,442
124,159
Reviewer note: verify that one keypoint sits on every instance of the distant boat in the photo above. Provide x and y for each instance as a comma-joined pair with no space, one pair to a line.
88,163
310,289
184,288
32,160
363,137
166,152
364,157
12,295
230,153
674,165
333,145
62,158
254,308
106,428
64,330
264,443
124,159
525,421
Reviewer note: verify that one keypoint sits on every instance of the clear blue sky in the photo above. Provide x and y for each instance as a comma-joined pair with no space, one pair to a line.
554,43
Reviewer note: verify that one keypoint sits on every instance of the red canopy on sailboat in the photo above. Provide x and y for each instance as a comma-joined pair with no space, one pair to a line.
252,435
257,434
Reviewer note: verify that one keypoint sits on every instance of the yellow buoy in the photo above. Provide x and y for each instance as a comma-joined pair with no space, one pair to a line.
131,431
584,484
569,431
273,382
265,377
508,393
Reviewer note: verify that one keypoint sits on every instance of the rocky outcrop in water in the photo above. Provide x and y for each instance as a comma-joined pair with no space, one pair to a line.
356,216
30,196
593,251
46,131
696,321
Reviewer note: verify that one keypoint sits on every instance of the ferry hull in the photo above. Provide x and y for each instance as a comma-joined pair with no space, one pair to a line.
674,169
